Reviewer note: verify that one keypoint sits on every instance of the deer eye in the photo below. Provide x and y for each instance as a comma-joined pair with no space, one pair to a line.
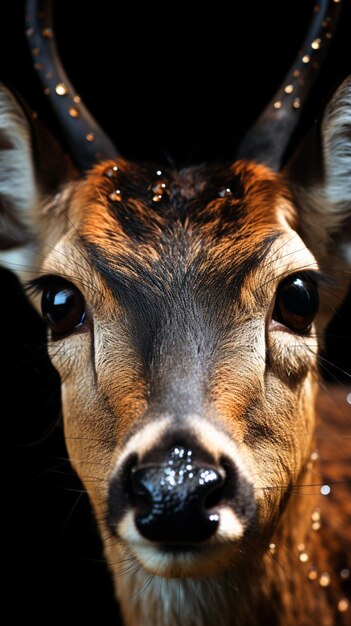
296,303
63,308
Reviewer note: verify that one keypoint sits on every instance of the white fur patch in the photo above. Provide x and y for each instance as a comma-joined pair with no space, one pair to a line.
170,564
144,439
230,527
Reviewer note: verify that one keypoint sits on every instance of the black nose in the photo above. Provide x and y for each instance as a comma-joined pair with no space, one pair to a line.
175,501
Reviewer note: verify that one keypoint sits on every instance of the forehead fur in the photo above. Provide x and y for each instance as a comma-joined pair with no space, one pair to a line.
150,233
139,209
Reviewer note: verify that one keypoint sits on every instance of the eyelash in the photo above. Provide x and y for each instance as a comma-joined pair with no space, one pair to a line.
36,286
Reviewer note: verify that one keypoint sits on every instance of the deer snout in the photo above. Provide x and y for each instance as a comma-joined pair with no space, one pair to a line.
176,501
176,494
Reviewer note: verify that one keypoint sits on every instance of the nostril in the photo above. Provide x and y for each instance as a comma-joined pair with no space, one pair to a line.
224,487
141,497
215,497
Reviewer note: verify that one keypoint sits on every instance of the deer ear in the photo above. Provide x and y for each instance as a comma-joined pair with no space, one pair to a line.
32,165
18,187
321,175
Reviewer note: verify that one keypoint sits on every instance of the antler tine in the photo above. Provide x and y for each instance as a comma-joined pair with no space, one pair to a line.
267,141
87,142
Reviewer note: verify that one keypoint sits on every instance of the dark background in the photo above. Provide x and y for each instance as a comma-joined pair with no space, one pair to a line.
182,97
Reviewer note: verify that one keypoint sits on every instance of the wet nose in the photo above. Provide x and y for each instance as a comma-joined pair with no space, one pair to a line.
175,501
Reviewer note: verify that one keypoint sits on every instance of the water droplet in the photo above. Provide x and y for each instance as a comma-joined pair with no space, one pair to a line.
316,44
325,490
47,33
61,89
343,605
35,52
76,99
324,579
289,88
296,73
159,187
225,192
39,66
90,136
115,196
278,104
312,573
301,547
345,573
47,91
73,112
111,172
303,557
314,455
306,58
272,548
159,190
316,516
30,32
328,35
214,517
158,173
316,526
336,1
296,103
348,398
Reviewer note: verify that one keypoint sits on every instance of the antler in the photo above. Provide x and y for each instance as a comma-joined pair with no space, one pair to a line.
86,140
267,141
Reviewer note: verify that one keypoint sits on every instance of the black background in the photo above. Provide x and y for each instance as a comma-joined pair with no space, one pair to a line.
183,96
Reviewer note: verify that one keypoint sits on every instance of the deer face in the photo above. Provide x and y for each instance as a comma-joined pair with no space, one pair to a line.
181,323
184,313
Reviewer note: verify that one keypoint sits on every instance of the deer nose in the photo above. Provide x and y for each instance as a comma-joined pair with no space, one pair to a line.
175,501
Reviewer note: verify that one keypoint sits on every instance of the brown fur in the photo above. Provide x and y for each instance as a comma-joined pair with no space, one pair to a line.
114,250
179,277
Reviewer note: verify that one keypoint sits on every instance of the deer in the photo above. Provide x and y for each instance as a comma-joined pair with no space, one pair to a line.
186,311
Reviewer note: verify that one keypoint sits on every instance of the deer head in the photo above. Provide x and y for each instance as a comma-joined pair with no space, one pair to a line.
184,311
